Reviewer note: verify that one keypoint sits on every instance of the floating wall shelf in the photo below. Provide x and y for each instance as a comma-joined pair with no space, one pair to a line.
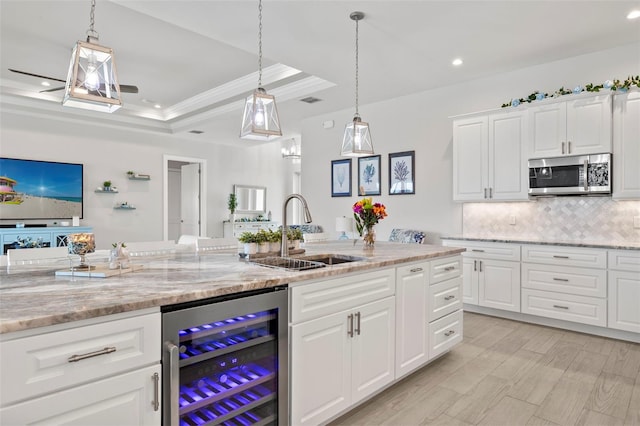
124,208
139,177
111,191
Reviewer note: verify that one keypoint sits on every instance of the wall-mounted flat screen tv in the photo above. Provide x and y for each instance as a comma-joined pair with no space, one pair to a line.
31,189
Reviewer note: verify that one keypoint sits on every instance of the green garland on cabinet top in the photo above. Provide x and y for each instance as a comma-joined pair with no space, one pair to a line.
621,86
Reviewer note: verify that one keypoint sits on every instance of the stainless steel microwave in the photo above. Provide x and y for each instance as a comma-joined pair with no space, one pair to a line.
570,175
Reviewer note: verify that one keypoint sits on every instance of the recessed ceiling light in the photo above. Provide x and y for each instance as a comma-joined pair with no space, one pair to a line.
158,106
634,14
456,62
45,83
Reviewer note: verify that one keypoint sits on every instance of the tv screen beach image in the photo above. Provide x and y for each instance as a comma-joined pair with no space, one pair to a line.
32,189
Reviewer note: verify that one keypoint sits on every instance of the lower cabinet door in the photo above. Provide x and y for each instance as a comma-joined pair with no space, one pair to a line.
499,284
624,301
470,281
126,399
321,374
373,348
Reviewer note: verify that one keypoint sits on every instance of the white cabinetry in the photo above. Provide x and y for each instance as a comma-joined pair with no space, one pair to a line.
90,372
342,341
624,290
488,160
491,274
575,127
566,283
425,293
626,146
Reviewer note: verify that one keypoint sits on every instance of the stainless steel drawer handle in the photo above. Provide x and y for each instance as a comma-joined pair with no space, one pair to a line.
478,250
358,323
560,257
560,307
156,392
449,297
449,268
350,327
414,270
561,279
449,333
76,358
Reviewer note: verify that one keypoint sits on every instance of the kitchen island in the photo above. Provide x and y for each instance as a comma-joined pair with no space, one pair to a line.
35,297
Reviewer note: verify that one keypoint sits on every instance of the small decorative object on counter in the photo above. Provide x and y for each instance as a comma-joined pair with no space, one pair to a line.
366,214
249,239
81,244
119,256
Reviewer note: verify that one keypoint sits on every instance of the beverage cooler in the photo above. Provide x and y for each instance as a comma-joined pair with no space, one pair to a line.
224,360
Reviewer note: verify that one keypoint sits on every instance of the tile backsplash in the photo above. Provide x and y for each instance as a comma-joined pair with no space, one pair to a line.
558,218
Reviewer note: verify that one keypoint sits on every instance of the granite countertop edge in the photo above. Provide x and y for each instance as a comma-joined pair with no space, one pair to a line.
40,299
620,245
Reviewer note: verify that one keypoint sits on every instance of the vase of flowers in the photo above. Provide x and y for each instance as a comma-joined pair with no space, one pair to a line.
366,214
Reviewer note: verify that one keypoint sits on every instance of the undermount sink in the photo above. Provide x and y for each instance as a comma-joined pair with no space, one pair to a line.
303,263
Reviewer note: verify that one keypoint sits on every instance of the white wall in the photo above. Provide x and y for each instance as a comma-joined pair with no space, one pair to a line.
107,154
420,122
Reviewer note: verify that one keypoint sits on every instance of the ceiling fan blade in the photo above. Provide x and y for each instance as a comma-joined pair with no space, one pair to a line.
124,88
37,75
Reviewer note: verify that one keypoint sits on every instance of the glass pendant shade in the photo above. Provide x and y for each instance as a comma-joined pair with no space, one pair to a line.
92,82
291,150
357,139
260,120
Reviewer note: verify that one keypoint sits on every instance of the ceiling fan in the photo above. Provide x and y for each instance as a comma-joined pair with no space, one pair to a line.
124,88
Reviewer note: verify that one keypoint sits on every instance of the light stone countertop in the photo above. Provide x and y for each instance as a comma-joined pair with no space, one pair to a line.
609,245
33,297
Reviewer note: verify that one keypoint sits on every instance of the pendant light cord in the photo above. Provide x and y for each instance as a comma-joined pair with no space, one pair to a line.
259,43
357,67
92,18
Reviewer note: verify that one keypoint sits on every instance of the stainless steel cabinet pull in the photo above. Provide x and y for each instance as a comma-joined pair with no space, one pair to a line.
560,257
449,268
585,180
174,382
358,323
490,192
449,333
415,270
350,327
569,148
560,307
478,250
475,265
484,191
76,358
449,297
561,279
156,392
563,147
480,265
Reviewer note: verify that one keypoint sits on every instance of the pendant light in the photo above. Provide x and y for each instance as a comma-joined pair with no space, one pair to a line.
260,120
291,149
92,82
357,137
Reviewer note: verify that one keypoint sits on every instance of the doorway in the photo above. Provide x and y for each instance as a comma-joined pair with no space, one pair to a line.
184,197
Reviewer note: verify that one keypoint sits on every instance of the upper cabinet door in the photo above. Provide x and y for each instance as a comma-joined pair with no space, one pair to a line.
626,146
589,125
470,162
508,173
548,130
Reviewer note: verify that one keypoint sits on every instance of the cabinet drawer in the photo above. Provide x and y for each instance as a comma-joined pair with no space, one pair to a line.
327,297
445,298
44,363
624,260
445,333
445,269
564,279
487,250
568,256
581,309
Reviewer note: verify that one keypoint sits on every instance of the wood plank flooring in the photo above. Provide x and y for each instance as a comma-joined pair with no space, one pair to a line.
511,373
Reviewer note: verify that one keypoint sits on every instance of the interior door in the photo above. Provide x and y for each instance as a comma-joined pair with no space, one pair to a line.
190,200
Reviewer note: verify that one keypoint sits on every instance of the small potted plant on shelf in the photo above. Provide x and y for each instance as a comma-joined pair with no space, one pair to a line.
131,174
250,242
106,185
232,203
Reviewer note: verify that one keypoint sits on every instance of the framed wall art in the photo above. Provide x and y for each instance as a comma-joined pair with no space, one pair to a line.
341,178
402,179
369,175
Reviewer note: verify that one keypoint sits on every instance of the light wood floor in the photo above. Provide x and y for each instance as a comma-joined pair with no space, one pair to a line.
511,373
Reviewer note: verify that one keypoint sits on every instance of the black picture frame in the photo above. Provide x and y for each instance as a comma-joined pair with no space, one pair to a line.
402,179
369,175
341,178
